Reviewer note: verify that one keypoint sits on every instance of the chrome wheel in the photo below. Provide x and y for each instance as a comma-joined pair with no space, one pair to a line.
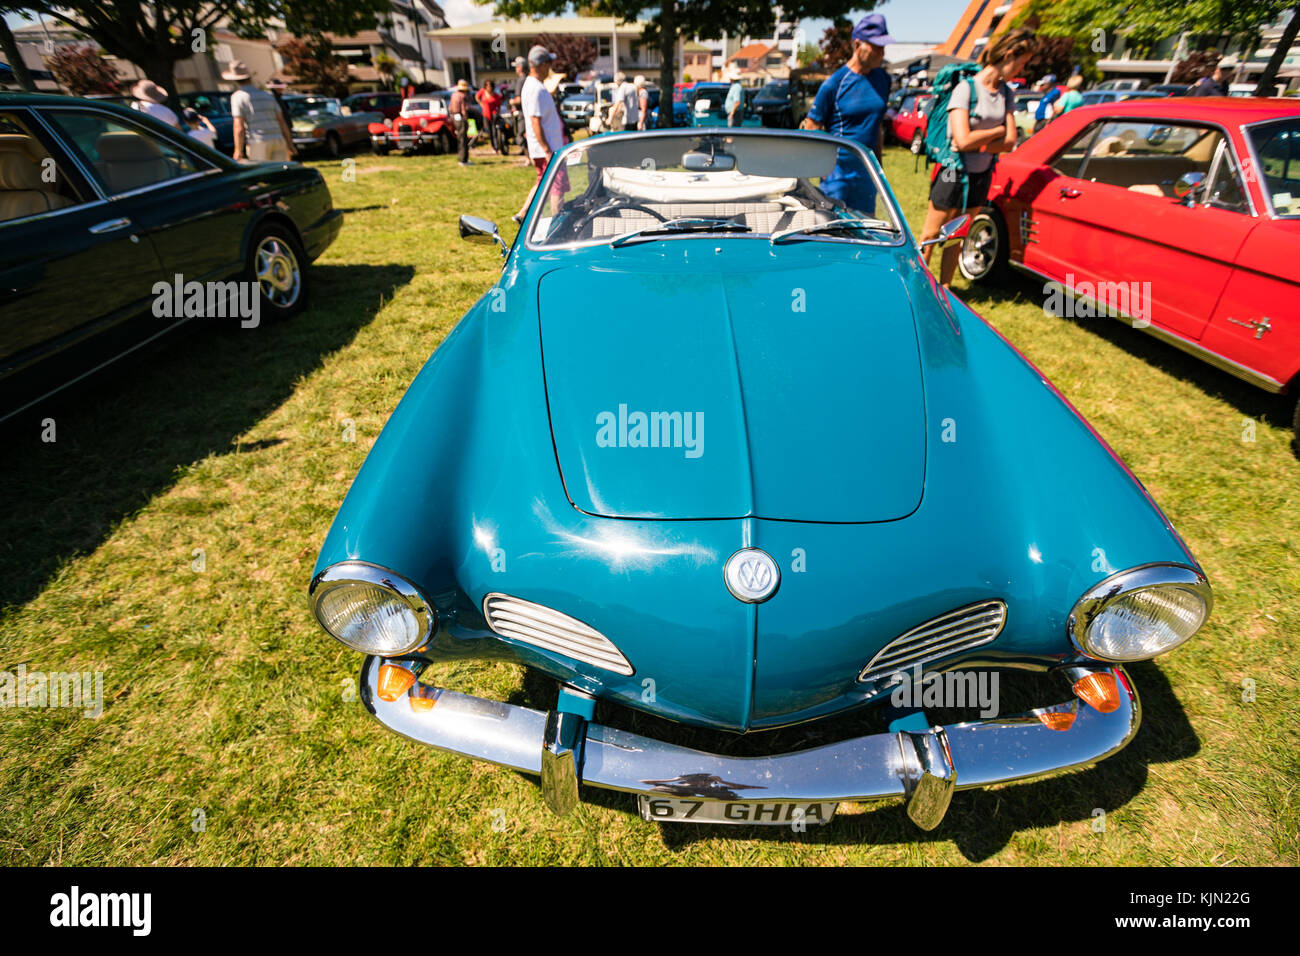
278,274
979,251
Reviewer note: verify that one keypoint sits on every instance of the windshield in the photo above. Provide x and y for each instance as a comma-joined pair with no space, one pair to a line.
775,91
751,184
206,104
1277,146
312,107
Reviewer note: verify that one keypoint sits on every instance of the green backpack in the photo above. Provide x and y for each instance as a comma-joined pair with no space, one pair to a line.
938,141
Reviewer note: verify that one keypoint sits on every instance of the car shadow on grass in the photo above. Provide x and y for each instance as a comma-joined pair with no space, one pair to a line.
122,437
1253,402
979,822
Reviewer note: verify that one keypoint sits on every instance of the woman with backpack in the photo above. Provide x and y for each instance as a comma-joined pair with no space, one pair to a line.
976,136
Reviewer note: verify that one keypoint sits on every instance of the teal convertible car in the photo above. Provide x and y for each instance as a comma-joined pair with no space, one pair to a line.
716,448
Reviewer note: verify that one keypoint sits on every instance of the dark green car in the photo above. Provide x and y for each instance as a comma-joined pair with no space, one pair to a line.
117,229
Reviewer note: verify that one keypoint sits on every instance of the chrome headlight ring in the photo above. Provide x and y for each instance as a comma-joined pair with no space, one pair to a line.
377,583
1104,596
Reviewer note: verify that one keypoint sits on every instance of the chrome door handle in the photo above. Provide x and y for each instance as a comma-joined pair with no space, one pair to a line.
1069,192
110,225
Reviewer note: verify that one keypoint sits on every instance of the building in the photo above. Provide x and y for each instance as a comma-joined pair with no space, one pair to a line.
786,38
697,61
756,63
485,51
981,21
402,35
1240,64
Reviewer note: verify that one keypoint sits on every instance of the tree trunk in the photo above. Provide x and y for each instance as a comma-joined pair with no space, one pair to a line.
10,47
162,71
1265,87
668,61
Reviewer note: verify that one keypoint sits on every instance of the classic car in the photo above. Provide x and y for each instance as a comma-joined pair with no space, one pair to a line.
779,105
664,462
911,119
321,123
423,124
215,105
1186,210
384,102
133,202
708,102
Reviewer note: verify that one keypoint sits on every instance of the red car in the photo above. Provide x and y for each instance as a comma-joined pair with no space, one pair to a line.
422,124
909,123
1179,215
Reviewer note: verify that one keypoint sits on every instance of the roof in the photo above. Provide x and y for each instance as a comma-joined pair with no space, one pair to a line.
751,52
594,26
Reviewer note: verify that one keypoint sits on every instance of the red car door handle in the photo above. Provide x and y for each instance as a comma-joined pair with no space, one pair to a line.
1069,192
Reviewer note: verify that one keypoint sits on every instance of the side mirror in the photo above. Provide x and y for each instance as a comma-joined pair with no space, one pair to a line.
952,231
1187,185
477,229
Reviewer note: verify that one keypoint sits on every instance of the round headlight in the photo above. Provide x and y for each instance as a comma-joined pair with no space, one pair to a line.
371,609
1142,612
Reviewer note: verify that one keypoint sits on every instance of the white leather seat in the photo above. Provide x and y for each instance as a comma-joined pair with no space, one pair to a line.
129,161
22,191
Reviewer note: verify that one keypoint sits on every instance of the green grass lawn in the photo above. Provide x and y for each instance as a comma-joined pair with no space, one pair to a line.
231,733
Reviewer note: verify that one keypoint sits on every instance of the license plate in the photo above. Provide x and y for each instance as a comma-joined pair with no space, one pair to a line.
678,810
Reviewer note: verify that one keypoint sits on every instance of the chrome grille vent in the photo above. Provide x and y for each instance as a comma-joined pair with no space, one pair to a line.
550,630
943,636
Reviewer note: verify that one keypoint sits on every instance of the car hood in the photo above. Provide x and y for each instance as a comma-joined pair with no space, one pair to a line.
737,390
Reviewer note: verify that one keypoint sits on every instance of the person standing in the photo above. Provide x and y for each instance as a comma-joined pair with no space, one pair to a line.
198,126
458,109
625,113
1051,93
642,102
261,132
1071,98
489,101
1210,85
151,99
734,105
516,104
851,103
979,130
545,129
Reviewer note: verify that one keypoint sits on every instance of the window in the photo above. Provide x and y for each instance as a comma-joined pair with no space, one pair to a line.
1277,146
123,157
602,46
31,181
1070,160
1224,189
1149,157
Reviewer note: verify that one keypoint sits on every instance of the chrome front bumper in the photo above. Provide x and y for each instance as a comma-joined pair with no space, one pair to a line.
566,750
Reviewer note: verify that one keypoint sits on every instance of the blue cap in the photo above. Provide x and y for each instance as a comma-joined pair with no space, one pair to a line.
871,29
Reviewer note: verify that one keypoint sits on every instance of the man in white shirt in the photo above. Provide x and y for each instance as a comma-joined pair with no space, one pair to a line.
151,98
543,127
626,103
642,103
261,134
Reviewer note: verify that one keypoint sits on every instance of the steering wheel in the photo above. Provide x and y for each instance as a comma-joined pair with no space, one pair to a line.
619,204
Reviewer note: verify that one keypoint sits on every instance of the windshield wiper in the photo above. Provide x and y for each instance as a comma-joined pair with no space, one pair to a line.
683,224
834,226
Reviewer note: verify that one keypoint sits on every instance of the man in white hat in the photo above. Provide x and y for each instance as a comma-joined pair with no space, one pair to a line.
261,133
151,98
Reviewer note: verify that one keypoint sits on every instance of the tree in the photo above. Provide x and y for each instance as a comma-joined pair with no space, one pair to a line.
1144,23
573,54
1194,66
386,67
313,63
82,71
156,35
807,55
836,45
673,20
9,46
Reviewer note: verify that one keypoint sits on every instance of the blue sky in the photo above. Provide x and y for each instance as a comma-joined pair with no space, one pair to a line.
909,21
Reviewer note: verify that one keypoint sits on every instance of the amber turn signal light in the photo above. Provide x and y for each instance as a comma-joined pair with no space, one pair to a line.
1057,719
1099,691
394,681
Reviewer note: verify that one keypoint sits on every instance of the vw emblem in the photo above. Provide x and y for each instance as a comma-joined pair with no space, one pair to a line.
751,575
